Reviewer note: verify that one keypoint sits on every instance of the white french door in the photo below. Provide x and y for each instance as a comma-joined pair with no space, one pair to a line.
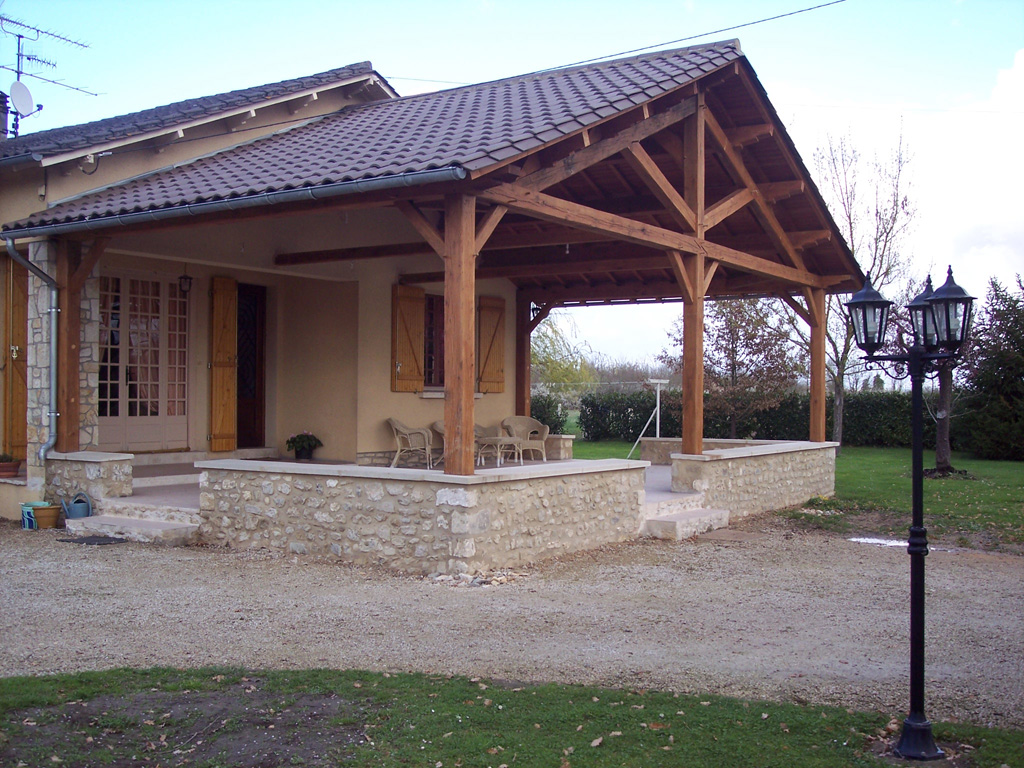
143,367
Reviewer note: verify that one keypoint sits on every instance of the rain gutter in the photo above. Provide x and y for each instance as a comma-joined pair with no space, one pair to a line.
51,439
29,157
324,192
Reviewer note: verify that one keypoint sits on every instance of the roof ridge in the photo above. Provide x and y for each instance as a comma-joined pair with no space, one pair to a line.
524,77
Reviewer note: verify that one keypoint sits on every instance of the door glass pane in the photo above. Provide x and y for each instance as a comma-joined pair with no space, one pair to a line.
143,370
110,340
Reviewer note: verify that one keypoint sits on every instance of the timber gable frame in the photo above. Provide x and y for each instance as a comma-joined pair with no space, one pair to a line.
674,184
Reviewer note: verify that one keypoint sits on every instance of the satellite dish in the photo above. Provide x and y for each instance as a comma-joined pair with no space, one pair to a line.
21,98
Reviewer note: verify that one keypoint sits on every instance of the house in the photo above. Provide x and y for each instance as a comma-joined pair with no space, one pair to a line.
346,256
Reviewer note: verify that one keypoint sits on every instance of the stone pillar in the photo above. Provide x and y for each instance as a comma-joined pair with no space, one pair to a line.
37,370
89,371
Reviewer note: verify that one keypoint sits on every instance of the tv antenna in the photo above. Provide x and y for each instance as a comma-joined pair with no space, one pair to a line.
21,96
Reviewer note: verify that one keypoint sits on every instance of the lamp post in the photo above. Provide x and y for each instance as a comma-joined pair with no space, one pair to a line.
940,321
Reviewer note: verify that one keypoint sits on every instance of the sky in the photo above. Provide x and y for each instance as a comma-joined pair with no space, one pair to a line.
947,75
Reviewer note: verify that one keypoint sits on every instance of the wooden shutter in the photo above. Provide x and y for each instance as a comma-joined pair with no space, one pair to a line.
490,353
224,365
15,355
407,307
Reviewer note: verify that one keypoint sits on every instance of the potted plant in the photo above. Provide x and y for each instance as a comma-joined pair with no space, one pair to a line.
9,465
304,443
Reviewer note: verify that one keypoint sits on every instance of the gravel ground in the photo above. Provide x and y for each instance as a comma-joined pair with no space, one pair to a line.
777,614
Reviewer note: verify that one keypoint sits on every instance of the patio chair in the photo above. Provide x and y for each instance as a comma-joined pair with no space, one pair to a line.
531,432
478,432
412,441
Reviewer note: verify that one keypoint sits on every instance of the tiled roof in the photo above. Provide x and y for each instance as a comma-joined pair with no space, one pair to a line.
68,138
472,127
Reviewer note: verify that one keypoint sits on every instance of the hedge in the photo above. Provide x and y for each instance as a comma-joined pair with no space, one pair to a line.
869,418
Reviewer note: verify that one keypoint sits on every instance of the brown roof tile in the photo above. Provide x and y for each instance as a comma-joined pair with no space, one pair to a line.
84,135
473,127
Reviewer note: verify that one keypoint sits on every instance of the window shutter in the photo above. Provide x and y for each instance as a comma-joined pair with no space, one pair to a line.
491,344
224,365
407,307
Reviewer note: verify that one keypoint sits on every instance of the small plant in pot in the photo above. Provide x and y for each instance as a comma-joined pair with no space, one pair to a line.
304,443
9,465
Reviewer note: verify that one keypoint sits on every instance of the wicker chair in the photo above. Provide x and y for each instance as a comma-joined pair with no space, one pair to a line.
478,431
531,432
412,441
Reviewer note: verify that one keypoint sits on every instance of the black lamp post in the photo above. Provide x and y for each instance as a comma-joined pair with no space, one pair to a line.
941,321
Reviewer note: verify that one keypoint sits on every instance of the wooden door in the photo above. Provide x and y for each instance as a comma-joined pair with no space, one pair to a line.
14,355
223,365
251,364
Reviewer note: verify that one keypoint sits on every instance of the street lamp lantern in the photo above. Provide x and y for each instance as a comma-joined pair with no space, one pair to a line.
869,313
952,314
941,322
922,318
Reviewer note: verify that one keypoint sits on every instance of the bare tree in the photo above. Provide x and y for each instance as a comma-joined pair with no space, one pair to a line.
749,362
871,204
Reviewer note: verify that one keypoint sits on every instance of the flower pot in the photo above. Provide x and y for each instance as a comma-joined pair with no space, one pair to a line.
303,454
46,516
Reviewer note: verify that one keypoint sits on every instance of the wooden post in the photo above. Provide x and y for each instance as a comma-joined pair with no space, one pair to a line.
69,335
693,267
522,355
693,359
816,307
459,332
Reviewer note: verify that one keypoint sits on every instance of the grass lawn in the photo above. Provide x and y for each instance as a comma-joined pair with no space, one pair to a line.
230,717
983,509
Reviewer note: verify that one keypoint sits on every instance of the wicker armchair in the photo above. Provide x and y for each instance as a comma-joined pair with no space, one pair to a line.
412,441
531,432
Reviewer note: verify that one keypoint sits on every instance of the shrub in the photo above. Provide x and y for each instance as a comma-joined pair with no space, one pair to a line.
549,410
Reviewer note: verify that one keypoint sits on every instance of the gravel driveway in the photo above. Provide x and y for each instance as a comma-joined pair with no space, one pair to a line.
764,612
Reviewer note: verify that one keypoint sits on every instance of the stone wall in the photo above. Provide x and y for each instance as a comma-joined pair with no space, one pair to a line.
421,522
101,475
659,450
758,478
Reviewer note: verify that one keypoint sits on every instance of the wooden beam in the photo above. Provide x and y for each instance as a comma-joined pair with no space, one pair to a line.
726,207
693,360
749,134
486,227
234,122
797,307
768,219
420,223
545,268
352,254
675,259
523,358
583,158
297,105
809,238
816,306
459,253
548,208
710,267
648,171
775,191
86,265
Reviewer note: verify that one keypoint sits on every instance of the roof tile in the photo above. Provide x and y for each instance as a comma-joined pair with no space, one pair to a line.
473,127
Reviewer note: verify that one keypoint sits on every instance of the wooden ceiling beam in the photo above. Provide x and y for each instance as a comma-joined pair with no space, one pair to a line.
776,191
550,208
584,158
746,135
648,171
726,207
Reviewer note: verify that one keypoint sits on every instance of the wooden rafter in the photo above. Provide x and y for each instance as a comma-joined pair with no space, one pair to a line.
645,167
551,208
726,207
583,158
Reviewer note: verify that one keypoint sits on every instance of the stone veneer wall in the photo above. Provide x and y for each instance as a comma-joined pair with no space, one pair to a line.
759,478
101,475
407,523
38,364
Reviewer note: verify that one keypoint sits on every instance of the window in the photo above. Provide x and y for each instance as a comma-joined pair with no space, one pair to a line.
417,341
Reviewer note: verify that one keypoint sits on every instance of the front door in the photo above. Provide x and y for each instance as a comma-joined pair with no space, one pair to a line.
252,312
14,355
143,375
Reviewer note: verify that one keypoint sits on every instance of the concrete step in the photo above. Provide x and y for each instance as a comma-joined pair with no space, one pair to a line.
156,503
169,534
182,479
685,524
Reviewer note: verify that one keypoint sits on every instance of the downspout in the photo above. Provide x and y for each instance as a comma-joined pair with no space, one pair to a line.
52,284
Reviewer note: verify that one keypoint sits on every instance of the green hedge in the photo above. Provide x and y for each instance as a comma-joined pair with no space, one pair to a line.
548,409
870,418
